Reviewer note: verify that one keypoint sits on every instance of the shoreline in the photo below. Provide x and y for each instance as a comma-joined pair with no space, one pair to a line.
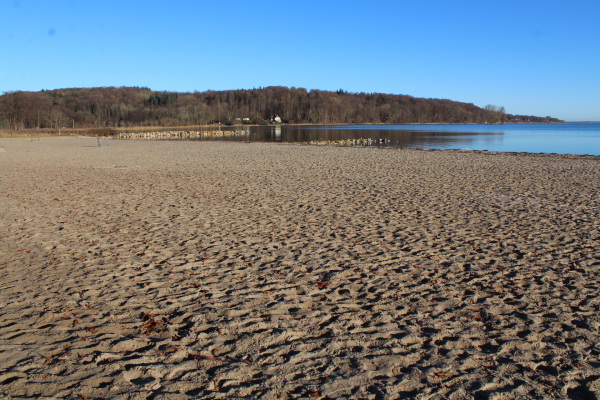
229,270
333,145
375,147
45,132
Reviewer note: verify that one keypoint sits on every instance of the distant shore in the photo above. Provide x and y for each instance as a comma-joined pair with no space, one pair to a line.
8,133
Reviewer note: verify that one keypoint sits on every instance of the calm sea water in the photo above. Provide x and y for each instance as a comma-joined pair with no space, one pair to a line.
567,138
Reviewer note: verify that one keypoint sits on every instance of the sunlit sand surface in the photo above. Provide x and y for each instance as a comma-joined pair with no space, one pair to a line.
230,270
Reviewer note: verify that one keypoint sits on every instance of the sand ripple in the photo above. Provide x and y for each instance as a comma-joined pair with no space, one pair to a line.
225,270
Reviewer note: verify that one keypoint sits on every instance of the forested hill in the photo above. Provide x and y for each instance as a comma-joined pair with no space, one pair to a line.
134,106
531,119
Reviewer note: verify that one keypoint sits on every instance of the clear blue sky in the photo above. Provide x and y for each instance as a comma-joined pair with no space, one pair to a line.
532,57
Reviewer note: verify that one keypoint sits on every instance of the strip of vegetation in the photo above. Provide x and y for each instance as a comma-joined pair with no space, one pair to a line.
134,106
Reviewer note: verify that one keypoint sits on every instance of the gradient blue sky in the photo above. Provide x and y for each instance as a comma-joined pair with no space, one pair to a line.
532,57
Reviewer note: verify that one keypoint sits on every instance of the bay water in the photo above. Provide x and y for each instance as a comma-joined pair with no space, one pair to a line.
561,138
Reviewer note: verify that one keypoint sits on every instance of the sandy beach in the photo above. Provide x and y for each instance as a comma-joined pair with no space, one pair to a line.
190,269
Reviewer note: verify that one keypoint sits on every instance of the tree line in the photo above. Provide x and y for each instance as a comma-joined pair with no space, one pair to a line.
531,118
135,106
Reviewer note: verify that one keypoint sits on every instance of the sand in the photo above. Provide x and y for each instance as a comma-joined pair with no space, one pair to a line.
153,269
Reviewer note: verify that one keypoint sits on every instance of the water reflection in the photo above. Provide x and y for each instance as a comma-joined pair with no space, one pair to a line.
381,137
572,138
